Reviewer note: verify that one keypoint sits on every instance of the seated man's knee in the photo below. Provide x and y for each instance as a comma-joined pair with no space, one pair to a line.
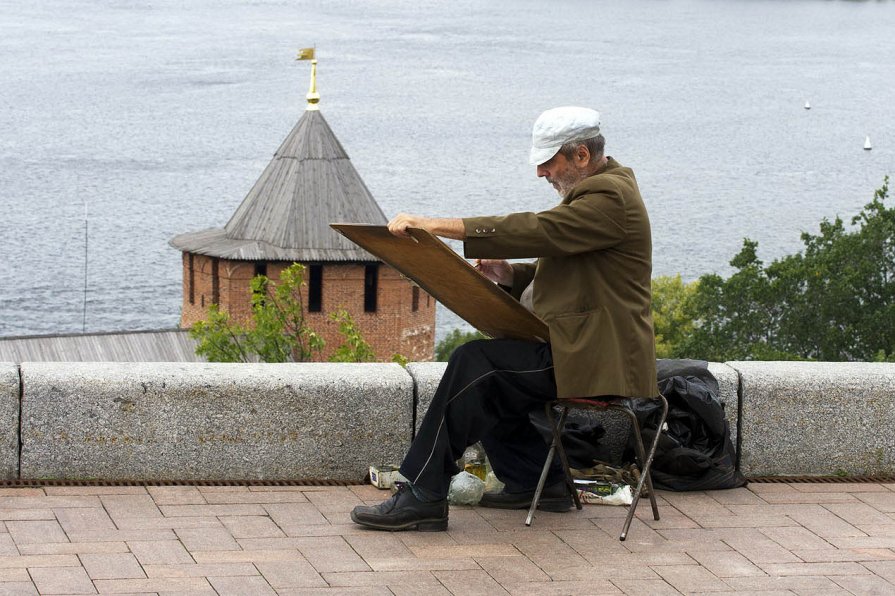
471,349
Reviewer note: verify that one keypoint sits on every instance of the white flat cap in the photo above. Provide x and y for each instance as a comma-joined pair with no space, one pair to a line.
554,128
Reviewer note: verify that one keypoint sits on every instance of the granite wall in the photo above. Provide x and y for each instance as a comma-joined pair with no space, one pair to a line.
199,421
10,390
196,421
817,418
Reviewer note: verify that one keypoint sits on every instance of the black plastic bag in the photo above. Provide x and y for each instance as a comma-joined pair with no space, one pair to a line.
580,439
695,452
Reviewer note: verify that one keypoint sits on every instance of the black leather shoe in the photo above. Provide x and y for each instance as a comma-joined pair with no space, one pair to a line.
403,511
554,498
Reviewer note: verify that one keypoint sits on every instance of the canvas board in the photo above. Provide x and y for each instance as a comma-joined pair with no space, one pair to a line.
450,279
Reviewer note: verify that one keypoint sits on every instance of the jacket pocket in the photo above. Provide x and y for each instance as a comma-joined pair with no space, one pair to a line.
577,332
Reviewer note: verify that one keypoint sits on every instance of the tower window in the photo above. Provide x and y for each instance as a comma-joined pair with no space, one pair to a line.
416,298
259,294
315,288
371,283
191,281
215,282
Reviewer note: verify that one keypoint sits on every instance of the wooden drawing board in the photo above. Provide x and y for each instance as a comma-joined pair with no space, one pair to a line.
450,279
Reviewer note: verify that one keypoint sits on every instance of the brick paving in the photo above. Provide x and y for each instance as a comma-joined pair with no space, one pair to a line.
764,539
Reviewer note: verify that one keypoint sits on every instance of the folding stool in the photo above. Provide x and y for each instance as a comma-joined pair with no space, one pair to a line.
619,404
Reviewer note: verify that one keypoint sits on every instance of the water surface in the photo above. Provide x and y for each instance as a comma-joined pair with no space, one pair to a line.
159,116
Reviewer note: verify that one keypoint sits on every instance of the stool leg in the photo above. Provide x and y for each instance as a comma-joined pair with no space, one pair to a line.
537,497
570,483
548,408
646,466
641,458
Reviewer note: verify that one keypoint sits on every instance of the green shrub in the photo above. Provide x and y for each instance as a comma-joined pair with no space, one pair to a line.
452,341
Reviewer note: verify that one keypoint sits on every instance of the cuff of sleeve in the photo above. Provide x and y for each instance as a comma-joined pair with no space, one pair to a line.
478,231
478,227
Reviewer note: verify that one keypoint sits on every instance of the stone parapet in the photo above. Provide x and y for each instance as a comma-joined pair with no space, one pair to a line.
200,421
728,393
817,418
9,420
166,421
426,376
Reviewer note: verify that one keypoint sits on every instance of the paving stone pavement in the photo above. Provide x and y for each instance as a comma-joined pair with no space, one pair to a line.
763,539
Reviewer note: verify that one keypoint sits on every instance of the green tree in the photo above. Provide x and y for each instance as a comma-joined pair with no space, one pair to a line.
452,341
835,300
737,318
353,348
672,313
278,331
844,307
219,340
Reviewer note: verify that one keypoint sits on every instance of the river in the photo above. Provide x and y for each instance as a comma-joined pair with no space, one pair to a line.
155,118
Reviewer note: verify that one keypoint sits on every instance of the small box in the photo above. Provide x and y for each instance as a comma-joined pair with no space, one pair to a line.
383,476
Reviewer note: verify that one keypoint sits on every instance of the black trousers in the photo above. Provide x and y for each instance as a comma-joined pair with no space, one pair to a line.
486,394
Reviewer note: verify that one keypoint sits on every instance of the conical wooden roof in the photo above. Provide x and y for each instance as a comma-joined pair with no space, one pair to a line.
309,183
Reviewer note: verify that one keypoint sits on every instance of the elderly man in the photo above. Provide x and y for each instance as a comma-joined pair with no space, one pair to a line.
590,284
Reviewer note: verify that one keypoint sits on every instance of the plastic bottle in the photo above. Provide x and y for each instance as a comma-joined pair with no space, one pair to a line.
475,462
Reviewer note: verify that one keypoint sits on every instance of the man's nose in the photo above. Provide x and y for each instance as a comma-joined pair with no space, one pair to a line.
542,171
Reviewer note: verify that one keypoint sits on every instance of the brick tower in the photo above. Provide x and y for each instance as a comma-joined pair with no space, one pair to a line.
284,219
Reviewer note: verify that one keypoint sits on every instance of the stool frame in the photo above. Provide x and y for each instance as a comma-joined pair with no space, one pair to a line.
645,459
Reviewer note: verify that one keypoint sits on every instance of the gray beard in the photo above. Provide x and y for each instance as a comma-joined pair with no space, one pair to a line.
563,186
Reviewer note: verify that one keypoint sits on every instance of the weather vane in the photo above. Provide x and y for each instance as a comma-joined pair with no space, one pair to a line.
313,96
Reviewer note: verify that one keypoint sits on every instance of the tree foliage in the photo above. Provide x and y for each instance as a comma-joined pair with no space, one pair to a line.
834,300
454,340
672,316
278,331
353,348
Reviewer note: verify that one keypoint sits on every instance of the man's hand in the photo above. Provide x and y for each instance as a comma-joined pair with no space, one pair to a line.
447,227
496,270
399,224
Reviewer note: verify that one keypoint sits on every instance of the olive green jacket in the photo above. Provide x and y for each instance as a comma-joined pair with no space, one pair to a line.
591,281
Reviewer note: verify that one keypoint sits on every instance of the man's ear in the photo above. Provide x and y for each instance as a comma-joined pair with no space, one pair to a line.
582,156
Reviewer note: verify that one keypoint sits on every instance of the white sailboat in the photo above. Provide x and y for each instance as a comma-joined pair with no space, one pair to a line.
807,106
867,145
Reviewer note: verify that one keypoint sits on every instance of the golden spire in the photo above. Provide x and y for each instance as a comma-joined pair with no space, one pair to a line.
313,96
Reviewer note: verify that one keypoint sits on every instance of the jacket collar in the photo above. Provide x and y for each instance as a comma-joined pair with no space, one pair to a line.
578,189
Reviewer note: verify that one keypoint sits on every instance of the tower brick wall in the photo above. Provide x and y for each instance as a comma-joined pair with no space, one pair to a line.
395,327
